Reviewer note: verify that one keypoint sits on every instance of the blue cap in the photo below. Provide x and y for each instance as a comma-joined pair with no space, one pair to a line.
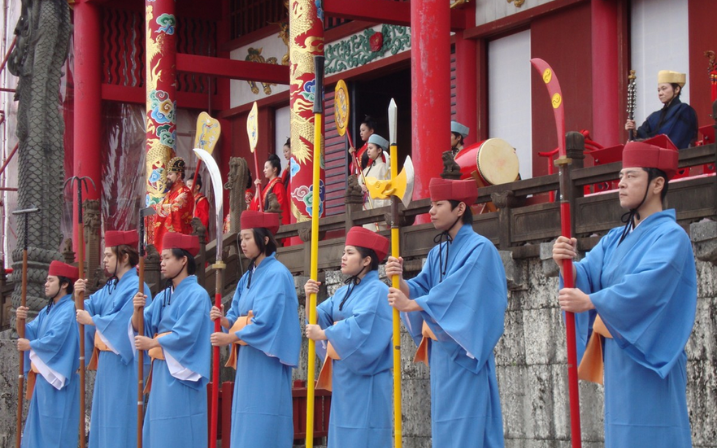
459,129
378,141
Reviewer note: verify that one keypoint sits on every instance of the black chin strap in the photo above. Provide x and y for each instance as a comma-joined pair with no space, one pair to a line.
51,301
438,239
629,217
252,268
352,281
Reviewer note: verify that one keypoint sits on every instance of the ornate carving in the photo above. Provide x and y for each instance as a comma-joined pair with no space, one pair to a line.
236,184
355,51
272,204
451,170
353,195
43,33
254,55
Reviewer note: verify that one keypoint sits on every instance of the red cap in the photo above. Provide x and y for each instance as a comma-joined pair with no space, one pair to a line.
457,190
174,240
119,237
60,269
358,236
252,220
658,152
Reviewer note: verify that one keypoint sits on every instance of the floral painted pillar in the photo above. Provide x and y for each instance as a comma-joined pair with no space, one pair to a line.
161,84
306,28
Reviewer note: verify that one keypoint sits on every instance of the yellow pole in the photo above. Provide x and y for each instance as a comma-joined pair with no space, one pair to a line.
397,419
315,216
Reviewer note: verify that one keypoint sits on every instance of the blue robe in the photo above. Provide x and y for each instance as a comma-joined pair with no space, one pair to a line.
176,414
645,291
680,124
466,312
362,384
114,401
53,419
262,409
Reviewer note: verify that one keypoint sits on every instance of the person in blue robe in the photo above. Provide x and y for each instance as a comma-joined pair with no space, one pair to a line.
357,323
263,329
178,331
114,402
676,119
635,297
52,345
457,303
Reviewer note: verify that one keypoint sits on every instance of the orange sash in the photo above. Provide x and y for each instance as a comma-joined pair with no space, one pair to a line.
591,367
422,352
239,325
327,370
31,379
99,346
154,353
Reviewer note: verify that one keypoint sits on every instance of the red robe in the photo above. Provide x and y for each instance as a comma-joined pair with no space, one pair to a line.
274,186
174,213
201,209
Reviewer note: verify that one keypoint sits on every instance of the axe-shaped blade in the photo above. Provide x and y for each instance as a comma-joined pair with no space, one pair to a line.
401,186
145,212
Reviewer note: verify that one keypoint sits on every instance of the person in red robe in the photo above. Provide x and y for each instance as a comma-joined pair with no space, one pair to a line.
272,171
286,175
367,129
175,211
201,203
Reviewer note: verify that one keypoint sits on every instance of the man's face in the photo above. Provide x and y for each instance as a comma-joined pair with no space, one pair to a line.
52,286
170,265
442,217
632,187
454,140
109,259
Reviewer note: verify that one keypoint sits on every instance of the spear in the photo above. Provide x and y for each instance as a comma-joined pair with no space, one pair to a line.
21,329
315,216
563,162
218,266
143,214
80,300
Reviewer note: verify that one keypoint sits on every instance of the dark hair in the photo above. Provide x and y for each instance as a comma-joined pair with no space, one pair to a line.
467,215
249,180
70,284
198,181
677,95
131,252
266,248
458,136
191,263
288,142
654,173
366,252
369,122
275,163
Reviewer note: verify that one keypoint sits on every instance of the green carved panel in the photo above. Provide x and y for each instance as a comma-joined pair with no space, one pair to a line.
355,51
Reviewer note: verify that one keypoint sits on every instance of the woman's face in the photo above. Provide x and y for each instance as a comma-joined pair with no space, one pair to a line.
351,262
248,244
287,152
666,92
269,170
373,151
365,132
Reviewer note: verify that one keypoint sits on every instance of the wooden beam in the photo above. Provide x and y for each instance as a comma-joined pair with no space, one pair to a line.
229,68
383,11
136,95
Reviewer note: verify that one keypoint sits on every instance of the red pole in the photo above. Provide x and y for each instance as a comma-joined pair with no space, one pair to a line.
556,99
9,158
88,98
430,90
607,126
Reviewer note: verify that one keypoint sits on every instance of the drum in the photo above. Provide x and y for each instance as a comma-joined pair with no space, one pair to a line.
494,160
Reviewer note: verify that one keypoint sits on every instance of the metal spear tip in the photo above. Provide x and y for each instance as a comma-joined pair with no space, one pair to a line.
392,114
25,211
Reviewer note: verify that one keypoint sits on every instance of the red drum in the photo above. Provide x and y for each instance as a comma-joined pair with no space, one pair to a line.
494,160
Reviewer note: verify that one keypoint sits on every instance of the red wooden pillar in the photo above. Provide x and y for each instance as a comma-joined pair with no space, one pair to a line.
87,122
467,78
161,88
607,128
430,90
